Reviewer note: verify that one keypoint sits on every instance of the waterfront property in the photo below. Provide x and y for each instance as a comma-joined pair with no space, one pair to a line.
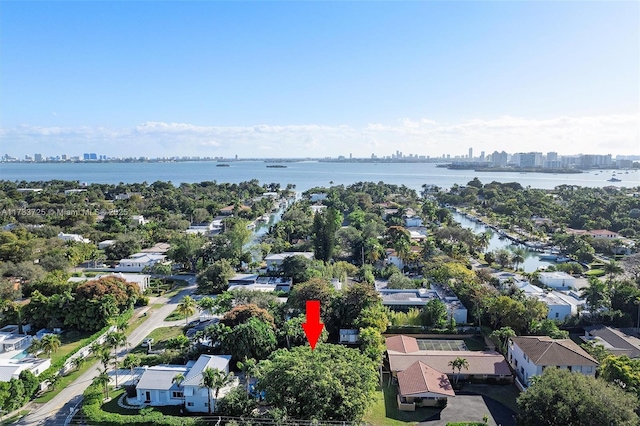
76,238
530,355
561,304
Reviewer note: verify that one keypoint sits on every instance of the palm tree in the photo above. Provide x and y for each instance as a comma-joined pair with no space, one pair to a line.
518,256
131,361
186,307
103,379
595,295
113,340
250,368
35,347
612,268
178,379
212,378
502,336
458,364
50,343
78,362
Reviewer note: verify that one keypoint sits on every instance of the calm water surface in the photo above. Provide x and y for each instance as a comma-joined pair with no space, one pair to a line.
304,175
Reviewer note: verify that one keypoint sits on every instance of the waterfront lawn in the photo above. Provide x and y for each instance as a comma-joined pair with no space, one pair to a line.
384,410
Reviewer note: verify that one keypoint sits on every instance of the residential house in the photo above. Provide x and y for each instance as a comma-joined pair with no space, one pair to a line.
206,228
138,220
349,335
11,368
404,351
422,384
557,279
413,221
405,299
142,280
617,341
530,355
157,386
137,262
73,237
561,304
317,196
274,261
106,243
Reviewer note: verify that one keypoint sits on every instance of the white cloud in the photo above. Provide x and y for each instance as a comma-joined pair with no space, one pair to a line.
602,134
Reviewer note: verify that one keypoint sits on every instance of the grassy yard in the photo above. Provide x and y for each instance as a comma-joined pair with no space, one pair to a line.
14,418
384,410
174,316
65,381
113,407
69,343
159,336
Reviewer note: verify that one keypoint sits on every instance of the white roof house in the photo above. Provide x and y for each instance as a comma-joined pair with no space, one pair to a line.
138,261
11,368
157,386
274,261
560,304
106,243
73,237
557,279
141,279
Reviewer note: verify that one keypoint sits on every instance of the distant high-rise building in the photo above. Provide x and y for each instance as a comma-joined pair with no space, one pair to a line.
64,157
481,155
530,159
37,157
470,153
85,156
499,159
93,156
350,156
552,156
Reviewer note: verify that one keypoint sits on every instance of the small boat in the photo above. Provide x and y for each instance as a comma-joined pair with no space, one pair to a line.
614,179
222,165
548,256
277,166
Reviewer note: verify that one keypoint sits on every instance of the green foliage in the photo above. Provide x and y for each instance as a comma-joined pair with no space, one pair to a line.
91,408
563,398
329,383
434,314
215,279
372,344
237,403
622,371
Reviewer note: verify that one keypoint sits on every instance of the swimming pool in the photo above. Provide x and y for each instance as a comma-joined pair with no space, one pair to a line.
21,355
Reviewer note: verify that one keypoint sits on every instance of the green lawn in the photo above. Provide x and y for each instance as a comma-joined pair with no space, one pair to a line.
159,336
65,381
384,410
14,418
69,343
113,407
595,273
174,316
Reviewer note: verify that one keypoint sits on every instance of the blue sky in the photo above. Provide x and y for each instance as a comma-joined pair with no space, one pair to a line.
319,78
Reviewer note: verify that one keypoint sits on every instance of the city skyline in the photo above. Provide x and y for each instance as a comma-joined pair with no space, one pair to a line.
300,79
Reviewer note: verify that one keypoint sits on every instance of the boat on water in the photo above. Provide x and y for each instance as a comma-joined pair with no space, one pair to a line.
276,166
614,179
222,165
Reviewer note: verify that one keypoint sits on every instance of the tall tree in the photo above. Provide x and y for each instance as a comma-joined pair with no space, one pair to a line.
50,343
561,398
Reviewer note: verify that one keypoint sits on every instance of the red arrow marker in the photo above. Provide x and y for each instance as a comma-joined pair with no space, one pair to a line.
313,327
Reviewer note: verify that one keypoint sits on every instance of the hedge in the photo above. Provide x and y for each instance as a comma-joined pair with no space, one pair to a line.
91,408
57,366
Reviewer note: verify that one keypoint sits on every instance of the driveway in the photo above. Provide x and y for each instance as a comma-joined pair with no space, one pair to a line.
467,407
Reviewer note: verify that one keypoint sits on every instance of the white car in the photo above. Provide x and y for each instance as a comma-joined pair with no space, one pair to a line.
147,341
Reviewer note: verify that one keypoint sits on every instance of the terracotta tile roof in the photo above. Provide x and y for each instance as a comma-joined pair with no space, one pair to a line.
419,378
543,350
402,344
480,363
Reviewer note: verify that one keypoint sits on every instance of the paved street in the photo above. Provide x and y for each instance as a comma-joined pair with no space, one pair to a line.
56,411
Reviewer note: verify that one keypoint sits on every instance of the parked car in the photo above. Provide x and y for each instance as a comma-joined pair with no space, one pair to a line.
147,341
